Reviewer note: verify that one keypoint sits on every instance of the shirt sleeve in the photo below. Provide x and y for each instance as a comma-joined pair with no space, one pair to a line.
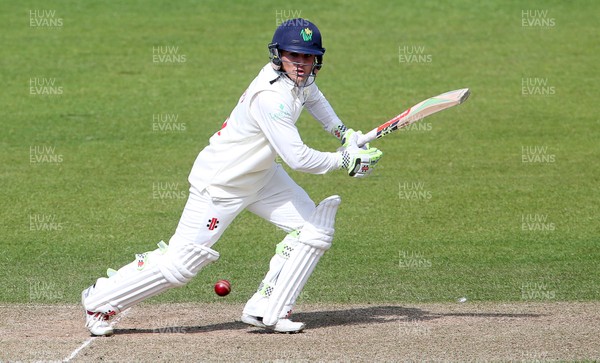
274,117
318,106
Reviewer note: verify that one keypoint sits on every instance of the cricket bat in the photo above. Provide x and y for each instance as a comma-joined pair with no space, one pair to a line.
416,113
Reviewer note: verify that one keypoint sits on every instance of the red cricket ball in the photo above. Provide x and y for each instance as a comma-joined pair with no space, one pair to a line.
222,287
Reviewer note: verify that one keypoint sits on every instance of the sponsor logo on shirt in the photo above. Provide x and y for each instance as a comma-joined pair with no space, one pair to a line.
282,113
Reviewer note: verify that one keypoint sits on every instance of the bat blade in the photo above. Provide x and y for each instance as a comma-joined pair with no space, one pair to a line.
417,112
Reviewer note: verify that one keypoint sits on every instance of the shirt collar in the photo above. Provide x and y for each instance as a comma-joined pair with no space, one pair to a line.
285,81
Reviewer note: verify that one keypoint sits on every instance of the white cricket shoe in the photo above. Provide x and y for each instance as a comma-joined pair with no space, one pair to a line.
97,323
282,326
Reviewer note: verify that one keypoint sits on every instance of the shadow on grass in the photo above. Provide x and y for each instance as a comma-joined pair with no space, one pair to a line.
329,318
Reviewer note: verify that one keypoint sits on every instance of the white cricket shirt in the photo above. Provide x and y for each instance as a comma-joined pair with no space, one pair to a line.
240,158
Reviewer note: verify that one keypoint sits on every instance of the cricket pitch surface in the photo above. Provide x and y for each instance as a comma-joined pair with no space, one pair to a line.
522,331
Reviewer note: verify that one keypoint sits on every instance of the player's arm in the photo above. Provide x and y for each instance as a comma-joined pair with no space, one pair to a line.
272,112
320,108
274,119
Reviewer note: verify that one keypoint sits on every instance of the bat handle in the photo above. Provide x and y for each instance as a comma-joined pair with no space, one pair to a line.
368,137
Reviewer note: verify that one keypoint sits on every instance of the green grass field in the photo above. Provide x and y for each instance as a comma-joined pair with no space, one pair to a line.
495,200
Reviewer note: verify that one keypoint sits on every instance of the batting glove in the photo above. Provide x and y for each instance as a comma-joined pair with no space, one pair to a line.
350,138
359,162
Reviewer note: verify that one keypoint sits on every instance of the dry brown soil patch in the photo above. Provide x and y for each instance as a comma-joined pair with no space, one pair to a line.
527,331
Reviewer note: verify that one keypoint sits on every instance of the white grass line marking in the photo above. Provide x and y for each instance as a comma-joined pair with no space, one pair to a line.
91,339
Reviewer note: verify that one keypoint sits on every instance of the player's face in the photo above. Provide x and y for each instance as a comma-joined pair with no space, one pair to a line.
298,66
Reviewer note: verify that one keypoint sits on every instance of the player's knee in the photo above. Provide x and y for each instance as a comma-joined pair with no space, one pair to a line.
316,237
319,229
183,261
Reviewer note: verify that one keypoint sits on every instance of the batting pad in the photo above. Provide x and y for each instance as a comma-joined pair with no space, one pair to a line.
315,238
150,274
257,304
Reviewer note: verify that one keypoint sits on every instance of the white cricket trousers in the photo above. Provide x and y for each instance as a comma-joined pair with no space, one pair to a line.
281,202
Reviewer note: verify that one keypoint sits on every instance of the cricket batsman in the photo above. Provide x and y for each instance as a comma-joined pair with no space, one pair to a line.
237,171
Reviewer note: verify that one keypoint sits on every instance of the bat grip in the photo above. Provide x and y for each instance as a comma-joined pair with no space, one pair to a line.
365,138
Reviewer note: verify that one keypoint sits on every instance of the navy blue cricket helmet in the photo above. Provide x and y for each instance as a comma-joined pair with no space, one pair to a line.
296,35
